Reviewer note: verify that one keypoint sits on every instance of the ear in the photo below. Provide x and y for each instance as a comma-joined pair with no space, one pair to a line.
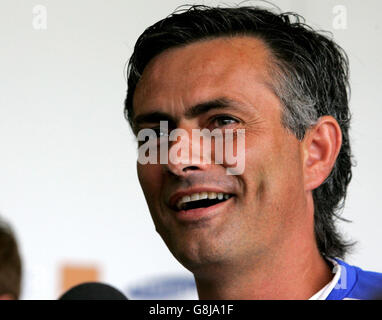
321,146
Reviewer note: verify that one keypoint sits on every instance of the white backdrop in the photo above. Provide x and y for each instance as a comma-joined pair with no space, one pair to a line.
68,181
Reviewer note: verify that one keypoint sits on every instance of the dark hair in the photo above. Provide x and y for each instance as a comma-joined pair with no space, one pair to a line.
10,262
310,72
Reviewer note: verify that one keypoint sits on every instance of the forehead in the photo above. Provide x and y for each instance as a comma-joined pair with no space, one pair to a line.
203,70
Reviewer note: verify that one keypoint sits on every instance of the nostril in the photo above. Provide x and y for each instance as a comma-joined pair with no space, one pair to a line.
181,169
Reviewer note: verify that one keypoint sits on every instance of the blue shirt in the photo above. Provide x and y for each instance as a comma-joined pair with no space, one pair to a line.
355,283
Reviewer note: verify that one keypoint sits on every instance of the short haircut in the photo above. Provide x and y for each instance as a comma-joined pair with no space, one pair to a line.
311,78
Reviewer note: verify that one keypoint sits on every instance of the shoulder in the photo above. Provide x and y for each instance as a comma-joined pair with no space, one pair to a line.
356,283
368,285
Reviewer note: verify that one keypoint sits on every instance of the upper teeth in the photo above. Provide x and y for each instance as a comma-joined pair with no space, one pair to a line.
201,196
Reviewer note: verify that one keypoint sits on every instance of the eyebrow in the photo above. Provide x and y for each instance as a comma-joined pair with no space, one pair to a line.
204,107
194,111
152,117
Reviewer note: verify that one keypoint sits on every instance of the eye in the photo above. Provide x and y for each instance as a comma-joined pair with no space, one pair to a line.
223,121
159,132
155,134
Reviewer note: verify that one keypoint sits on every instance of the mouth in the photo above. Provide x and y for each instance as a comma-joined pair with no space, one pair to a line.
200,204
201,200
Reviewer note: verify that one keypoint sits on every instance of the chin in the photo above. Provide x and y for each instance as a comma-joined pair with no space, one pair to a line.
195,256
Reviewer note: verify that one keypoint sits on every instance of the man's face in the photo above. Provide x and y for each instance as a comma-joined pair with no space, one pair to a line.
266,202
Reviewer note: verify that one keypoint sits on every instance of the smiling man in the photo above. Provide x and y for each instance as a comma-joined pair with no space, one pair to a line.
267,232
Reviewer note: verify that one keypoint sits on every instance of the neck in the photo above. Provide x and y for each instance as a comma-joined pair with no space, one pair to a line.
279,280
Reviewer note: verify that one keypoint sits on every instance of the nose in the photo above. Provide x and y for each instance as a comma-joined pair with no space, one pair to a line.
181,170
184,154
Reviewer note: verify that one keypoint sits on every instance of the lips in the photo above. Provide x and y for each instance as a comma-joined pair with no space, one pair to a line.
203,214
197,199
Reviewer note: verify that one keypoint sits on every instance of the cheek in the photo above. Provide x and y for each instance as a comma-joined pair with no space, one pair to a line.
274,167
149,176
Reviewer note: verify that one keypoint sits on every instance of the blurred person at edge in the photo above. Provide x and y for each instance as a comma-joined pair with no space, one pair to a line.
10,264
269,232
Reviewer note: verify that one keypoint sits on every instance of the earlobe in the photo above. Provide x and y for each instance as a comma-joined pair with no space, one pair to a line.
321,145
